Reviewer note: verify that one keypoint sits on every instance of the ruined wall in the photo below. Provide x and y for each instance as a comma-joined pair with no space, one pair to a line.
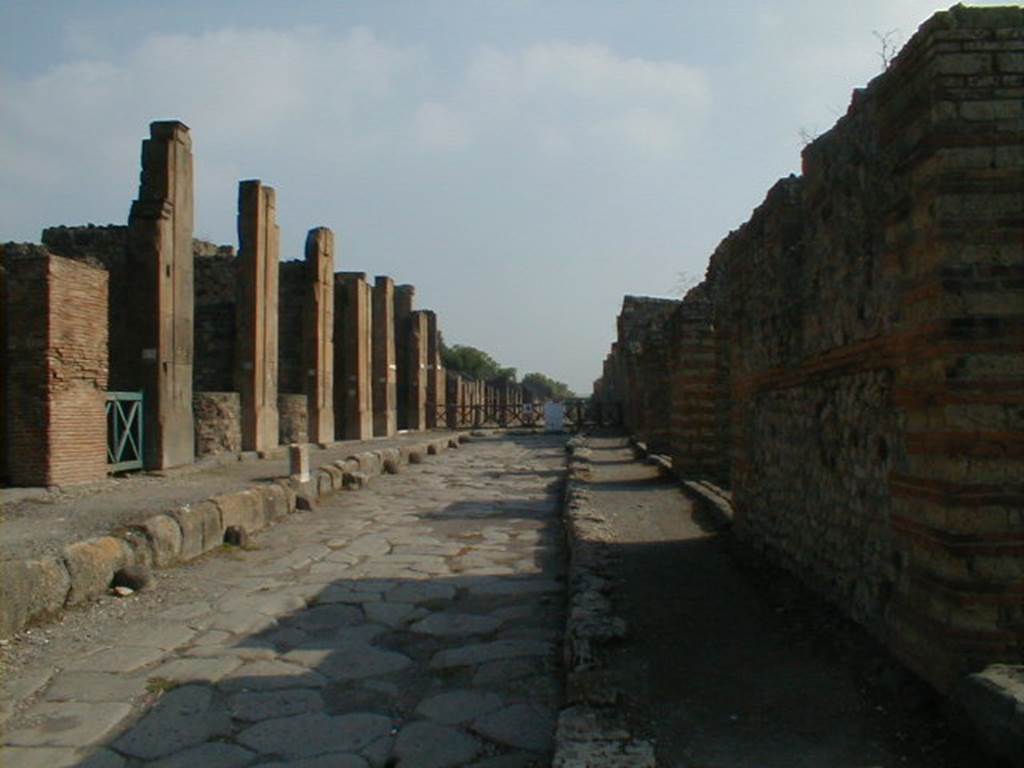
874,316
218,420
215,274
55,369
293,418
291,292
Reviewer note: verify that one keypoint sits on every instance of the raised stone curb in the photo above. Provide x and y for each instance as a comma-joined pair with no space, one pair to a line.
591,730
993,701
35,590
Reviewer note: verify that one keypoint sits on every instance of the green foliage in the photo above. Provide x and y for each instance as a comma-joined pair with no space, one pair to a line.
475,363
546,388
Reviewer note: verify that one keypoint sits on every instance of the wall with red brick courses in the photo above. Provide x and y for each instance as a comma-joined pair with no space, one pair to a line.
56,368
866,355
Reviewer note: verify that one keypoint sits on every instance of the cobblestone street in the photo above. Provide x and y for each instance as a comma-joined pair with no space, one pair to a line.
417,623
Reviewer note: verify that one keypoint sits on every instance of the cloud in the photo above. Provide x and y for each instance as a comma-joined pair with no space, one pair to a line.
562,97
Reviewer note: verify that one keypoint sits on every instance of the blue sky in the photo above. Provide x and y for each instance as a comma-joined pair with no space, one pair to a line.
525,164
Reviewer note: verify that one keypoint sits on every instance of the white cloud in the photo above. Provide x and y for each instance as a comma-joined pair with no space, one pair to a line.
439,127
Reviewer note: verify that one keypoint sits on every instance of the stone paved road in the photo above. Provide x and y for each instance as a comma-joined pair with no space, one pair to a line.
417,623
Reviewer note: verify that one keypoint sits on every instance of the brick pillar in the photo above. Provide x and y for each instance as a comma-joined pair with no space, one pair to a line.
417,361
405,296
55,368
318,334
160,257
385,371
353,361
256,374
451,386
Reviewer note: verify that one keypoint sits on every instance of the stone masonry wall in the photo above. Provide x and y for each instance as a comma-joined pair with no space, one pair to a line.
218,422
216,302
291,300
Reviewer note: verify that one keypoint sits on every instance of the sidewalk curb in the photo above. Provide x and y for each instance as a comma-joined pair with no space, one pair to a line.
33,591
591,730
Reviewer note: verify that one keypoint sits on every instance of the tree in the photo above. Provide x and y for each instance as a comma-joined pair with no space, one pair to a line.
475,363
546,388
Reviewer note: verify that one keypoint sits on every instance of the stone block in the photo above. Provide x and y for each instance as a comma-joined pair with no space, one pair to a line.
298,461
30,589
336,475
91,565
163,539
356,481
201,528
994,703
243,508
324,484
289,494
369,463
276,503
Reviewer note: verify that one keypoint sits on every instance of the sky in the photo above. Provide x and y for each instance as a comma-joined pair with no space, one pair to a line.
523,163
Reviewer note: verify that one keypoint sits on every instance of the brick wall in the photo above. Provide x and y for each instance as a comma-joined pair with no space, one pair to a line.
216,301
866,355
292,290
57,368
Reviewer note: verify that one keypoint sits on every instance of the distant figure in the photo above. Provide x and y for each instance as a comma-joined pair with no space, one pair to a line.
554,417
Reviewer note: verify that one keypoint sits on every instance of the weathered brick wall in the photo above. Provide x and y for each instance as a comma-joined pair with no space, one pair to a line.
873,315
218,422
216,301
291,300
56,368
694,391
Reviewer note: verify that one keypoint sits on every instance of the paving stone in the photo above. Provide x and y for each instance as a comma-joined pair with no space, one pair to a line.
247,650
254,706
338,594
182,718
211,637
517,587
271,676
525,726
335,760
455,707
269,604
420,592
378,753
423,744
95,686
327,617
187,670
368,546
51,757
390,614
122,659
209,755
510,760
479,653
242,622
69,724
504,671
363,634
454,624
348,661
186,612
167,635
315,733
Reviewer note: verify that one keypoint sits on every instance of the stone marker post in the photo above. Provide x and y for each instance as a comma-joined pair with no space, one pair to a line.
318,334
160,255
298,462
385,371
256,373
354,356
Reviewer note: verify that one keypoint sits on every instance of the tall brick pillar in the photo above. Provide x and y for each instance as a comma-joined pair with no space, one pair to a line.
435,373
417,357
318,335
55,376
385,371
353,407
405,296
159,359
256,373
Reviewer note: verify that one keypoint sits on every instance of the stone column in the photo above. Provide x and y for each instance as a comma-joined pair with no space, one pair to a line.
318,334
435,394
160,255
417,360
353,405
256,372
405,296
385,371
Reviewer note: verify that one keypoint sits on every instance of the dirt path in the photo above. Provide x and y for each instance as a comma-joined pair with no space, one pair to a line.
731,664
